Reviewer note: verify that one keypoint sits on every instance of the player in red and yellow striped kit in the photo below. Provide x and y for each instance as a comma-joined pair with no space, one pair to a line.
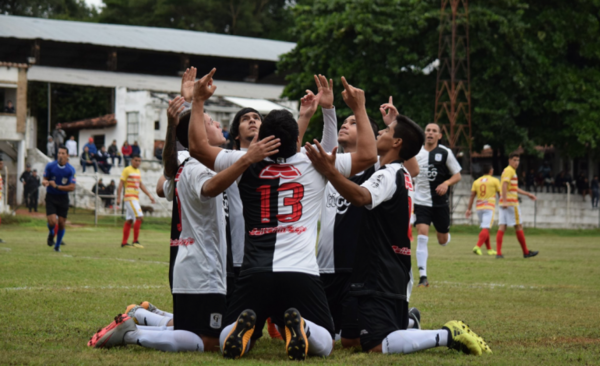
510,212
485,189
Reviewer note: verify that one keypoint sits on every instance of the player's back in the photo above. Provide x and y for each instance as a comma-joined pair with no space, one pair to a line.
486,188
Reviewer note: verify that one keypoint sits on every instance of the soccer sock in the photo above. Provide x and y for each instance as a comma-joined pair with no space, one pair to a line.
320,342
273,331
59,237
146,317
484,235
499,238
126,230
51,230
408,341
411,323
150,327
487,242
55,229
422,254
521,238
136,230
166,340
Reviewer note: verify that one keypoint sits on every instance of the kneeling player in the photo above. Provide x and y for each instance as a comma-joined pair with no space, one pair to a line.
199,285
381,276
485,189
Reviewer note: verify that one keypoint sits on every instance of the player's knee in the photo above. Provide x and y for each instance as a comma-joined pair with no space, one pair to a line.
211,344
351,342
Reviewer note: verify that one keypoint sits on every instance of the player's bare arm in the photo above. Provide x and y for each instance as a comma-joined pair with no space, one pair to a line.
119,191
187,84
200,149
443,188
308,107
366,146
147,192
325,164
528,194
504,194
45,182
170,150
412,166
160,192
257,151
471,199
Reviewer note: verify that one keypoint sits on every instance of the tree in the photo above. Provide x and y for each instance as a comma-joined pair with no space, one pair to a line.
54,9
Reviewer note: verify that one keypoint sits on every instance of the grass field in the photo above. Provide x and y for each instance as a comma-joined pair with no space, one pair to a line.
540,311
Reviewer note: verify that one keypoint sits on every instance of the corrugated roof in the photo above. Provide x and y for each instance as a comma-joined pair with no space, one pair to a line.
172,84
146,38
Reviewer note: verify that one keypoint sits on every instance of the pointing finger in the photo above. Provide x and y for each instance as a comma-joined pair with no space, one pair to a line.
345,83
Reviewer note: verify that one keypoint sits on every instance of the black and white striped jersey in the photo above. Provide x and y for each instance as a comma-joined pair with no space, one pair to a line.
282,203
436,166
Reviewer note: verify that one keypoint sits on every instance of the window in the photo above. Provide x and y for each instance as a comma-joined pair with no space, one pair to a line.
133,126
156,125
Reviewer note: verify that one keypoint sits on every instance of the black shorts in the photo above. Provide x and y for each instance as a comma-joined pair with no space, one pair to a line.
271,294
201,314
440,216
343,307
378,317
57,204
231,277
172,258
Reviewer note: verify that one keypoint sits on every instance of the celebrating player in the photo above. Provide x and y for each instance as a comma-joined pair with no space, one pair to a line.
281,196
485,189
381,278
438,171
132,179
510,212
59,180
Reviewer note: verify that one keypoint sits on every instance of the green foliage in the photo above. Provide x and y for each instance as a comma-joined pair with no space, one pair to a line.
55,9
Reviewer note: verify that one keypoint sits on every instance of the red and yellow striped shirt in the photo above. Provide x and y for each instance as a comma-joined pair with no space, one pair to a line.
486,188
509,175
131,178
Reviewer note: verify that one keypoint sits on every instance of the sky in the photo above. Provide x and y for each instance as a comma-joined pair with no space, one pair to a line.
96,3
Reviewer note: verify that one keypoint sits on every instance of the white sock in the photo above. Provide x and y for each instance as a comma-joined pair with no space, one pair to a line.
151,327
448,242
166,340
338,336
145,317
320,341
422,254
403,341
162,313
411,323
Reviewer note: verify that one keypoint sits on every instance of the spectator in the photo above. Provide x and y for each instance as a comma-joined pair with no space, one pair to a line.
546,171
102,160
72,146
569,180
585,187
595,192
51,148
158,151
579,182
225,131
32,186
10,108
539,182
87,159
530,181
59,135
113,152
135,149
92,149
23,179
127,151
98,186
559,182
109,190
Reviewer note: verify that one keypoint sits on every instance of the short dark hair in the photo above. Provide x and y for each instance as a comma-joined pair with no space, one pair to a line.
135,156
62,147
411,134
437,124
234,128
182,128
281,124
513,155
374,126
485,168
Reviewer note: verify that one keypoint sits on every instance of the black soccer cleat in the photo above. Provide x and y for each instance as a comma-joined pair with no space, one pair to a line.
296,337
50,241
532,253
415,315
237,340
499,256
423,282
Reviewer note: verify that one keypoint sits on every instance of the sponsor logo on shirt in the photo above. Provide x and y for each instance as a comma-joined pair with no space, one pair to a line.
377,181
403,251
284,171
339,202
278,229
431,172
178,242
215,320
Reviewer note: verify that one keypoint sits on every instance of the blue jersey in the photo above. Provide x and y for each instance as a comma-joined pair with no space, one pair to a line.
62,175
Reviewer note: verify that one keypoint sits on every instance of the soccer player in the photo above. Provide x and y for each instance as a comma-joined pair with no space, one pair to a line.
510,212
485,189
381,273
438,171
199,274
281,197
131,177
59,180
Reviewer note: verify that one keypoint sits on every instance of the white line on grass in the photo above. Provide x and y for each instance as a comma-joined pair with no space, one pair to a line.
110,287
6,249
115,259
484,285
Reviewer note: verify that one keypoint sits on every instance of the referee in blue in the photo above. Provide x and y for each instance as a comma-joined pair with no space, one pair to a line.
59,180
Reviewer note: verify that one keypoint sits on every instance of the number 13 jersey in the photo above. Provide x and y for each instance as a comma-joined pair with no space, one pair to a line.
282,204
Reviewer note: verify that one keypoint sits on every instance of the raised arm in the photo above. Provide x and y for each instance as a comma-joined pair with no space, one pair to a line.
170,150
329,139
200,149
187,84
308,107
366,146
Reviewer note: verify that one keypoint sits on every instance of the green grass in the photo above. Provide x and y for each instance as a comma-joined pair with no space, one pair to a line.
540,311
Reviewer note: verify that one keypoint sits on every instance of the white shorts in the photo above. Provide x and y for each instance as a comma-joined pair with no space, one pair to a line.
486,218
510,216
132,210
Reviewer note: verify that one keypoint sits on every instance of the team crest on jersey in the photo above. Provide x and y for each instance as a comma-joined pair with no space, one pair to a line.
65,180
484,180
276,171
215,320
438,157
